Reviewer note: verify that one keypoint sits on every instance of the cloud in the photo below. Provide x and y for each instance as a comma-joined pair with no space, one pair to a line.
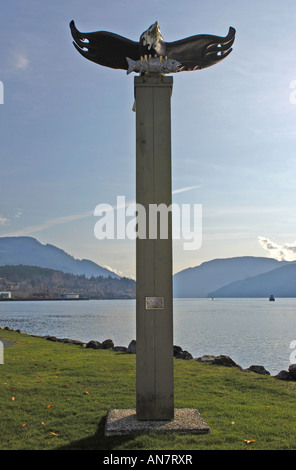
286,252
20,61
3,220
113,270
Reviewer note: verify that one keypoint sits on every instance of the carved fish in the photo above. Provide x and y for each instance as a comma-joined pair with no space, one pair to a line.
153,65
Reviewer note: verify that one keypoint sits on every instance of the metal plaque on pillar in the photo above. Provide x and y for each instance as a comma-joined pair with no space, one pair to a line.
153,58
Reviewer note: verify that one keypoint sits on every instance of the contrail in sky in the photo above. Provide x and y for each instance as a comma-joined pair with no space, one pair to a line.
70,218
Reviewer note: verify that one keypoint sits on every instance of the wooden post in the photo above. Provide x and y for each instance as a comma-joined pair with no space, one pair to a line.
154,298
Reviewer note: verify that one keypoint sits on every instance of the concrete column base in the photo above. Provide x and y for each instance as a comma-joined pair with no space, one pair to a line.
125,422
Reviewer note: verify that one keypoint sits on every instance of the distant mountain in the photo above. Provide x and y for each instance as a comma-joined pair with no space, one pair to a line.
205,280
202,280
29,251
280,282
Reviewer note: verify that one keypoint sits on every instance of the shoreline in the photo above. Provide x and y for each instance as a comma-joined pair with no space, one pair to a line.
26,299
36,300
178,352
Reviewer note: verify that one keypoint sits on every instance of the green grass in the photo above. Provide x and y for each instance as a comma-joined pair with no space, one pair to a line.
56,396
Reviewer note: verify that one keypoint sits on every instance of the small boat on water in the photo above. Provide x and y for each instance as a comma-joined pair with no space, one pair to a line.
271,297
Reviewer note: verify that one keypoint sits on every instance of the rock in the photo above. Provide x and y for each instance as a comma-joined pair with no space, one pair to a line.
257,370
51,338
177,350
132,347
120,348
72,341
284,375
205,358
184,355
78,342
94,345
225,361
108,344
292,371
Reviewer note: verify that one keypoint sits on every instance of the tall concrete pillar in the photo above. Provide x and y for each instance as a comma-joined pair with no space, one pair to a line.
154,298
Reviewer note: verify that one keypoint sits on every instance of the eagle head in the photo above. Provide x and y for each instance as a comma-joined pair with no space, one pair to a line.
151,41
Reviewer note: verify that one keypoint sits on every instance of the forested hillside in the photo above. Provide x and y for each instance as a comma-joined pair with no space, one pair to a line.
35,282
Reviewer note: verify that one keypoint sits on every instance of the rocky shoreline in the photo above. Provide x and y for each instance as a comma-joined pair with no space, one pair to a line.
179,353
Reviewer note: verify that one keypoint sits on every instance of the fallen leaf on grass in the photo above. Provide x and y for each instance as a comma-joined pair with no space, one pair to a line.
87,393
12,398
54,434
43,424
23,425
249,441
49,406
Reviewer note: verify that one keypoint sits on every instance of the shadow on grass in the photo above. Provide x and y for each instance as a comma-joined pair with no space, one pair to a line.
98,441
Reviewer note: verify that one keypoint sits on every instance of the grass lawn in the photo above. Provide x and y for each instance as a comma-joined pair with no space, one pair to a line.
56,396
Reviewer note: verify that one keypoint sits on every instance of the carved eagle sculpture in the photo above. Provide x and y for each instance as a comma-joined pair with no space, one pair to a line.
151,54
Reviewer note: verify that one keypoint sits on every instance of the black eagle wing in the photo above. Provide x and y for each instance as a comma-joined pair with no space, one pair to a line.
105,48
200,51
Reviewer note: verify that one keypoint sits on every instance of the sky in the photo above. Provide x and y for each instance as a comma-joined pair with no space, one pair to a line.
68,130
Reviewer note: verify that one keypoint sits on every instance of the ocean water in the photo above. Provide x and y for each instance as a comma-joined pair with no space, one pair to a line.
250,331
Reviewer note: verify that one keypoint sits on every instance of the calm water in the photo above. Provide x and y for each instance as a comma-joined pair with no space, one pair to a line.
250,331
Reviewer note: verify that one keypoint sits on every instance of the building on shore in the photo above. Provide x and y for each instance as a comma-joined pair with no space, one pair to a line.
5,295
69,295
